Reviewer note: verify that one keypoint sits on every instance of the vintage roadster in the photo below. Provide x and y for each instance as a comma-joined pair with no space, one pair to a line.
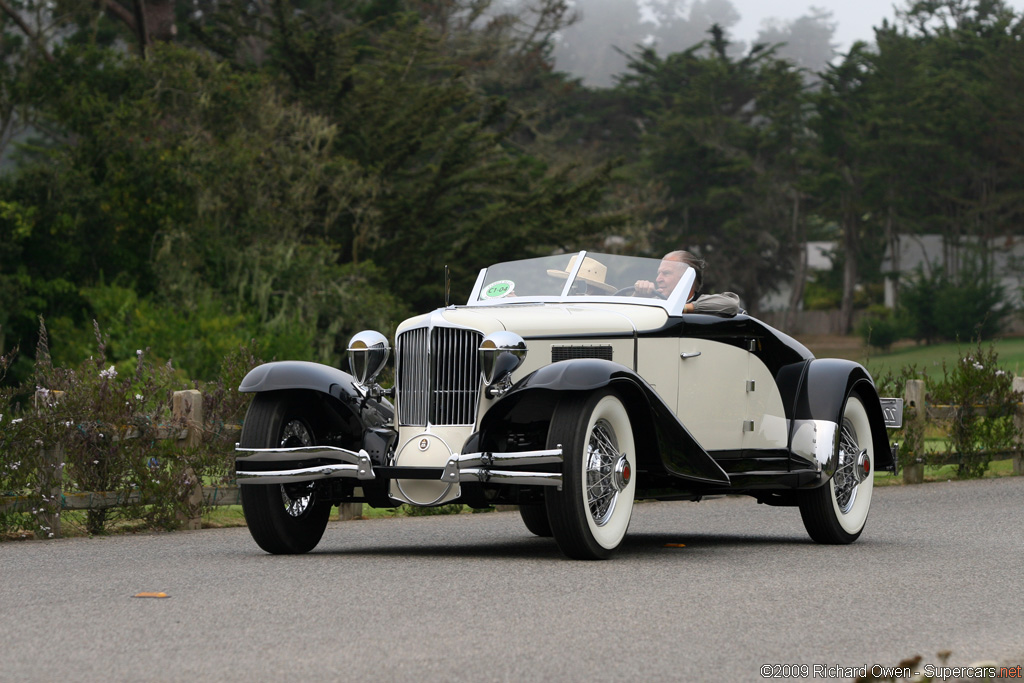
559,388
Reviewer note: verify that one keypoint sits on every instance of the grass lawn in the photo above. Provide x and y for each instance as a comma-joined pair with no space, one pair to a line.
996,468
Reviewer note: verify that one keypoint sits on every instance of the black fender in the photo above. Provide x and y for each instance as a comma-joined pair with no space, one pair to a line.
663,443
324,379
825,385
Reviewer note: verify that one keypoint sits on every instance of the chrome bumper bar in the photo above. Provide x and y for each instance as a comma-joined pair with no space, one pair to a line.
480,467
465,467
355,465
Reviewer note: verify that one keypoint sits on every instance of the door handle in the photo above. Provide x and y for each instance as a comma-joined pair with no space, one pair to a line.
692,354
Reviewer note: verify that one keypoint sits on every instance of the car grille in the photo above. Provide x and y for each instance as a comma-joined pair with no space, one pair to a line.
438,376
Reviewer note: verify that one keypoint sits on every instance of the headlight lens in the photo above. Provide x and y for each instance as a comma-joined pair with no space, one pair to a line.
501,353
367,353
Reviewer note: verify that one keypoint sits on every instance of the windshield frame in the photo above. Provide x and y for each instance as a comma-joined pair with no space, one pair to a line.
673,305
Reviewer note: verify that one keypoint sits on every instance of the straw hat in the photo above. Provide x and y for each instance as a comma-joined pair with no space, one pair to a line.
592,272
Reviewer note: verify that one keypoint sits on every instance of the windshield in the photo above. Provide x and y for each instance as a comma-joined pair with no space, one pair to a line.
585,276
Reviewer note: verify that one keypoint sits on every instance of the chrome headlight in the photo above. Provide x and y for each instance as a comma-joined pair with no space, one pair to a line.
367,353
500,354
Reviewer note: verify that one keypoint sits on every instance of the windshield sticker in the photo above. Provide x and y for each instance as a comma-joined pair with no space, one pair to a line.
498,289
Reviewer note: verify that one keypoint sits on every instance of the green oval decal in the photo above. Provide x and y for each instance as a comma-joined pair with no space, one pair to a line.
498,289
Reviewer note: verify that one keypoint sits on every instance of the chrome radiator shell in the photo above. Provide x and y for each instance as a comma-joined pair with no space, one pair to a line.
437,376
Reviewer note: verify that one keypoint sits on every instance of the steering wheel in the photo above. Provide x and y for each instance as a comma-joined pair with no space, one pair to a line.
631,290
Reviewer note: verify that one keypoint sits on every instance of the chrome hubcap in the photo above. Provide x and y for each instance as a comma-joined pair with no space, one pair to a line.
608,472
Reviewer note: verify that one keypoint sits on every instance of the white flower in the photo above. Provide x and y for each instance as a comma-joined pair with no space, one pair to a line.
50,535
109,373
17,420
138,397
979,366
68,424
95,462
999,373
138,352
39,442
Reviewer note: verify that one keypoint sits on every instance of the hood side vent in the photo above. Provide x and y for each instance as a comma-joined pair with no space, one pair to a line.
602,351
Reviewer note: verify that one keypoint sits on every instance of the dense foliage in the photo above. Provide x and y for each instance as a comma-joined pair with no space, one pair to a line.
198,175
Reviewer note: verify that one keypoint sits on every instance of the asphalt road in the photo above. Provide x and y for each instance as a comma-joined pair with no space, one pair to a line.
476,598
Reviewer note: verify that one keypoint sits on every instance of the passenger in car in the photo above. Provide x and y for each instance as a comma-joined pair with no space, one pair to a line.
726,304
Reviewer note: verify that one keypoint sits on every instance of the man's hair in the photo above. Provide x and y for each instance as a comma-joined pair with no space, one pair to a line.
697,263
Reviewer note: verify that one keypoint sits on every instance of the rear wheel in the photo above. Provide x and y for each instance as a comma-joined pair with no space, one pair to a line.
591,513
836,512
282,518
535,517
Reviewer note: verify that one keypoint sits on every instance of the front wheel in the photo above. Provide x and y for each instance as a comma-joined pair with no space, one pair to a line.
836,512
282,518
591,513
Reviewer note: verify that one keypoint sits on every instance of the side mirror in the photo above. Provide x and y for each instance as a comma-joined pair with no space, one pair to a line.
367,353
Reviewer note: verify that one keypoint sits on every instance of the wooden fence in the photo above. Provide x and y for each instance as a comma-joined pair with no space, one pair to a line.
186,410
915,396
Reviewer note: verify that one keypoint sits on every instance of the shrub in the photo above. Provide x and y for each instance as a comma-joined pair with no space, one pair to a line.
940,307
975,381
103,428
882,328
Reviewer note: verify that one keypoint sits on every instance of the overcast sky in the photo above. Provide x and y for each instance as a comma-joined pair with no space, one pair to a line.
855,18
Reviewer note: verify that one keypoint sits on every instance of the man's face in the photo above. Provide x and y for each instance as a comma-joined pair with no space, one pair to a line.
669,273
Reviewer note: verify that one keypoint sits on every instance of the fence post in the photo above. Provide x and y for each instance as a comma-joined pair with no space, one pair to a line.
51,491
1018,421
187,409
914,396
51,478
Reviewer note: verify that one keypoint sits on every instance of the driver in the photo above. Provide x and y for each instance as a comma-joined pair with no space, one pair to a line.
671,270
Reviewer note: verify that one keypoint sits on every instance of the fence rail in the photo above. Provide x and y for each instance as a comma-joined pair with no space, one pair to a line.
915,397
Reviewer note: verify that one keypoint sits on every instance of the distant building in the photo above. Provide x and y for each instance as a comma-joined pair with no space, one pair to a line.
1004,255
819,259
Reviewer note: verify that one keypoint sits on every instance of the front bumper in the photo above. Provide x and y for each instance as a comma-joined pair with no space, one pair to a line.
290,465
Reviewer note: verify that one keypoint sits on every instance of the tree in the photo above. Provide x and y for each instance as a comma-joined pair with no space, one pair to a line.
725,134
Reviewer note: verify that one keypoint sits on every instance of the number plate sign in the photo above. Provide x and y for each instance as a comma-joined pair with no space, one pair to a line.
892,411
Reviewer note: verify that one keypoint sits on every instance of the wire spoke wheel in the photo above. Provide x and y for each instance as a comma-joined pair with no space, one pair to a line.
282,518
295,434
591,513
836,512
602,455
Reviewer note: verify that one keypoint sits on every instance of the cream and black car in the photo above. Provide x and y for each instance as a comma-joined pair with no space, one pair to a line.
559,388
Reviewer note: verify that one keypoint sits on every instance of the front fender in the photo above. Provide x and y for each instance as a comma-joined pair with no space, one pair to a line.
822,396
663,442
296,374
